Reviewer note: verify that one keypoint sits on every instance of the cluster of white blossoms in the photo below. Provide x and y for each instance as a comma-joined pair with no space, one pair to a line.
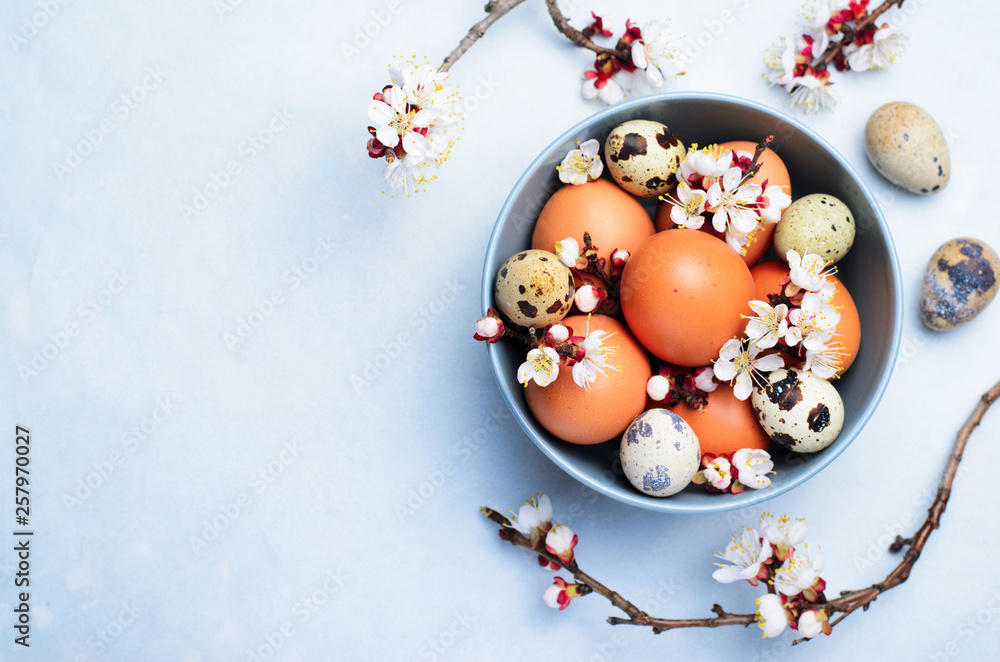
410,121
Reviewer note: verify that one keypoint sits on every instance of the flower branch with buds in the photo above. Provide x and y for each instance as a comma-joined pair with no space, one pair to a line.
774,555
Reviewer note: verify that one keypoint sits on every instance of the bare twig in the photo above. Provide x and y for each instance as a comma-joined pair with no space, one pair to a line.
847,603
577,37
495,10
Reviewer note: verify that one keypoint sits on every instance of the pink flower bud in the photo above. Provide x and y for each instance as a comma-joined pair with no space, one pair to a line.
557,334
658,387
558,595
704,379
560,541
489,328
588,298
618,260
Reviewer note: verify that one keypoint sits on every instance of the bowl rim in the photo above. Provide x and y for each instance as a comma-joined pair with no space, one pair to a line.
718,504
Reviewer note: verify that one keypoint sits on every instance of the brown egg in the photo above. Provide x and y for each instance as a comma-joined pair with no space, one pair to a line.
613,218
580,416
683,294
773,170
727,424
767,277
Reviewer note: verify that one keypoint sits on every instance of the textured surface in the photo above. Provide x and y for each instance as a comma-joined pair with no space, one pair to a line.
906,145
356,425
959,281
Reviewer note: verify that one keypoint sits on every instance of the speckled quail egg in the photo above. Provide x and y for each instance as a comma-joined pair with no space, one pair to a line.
799,410
660,453
817,223
907,147
959,281
643,156
534,289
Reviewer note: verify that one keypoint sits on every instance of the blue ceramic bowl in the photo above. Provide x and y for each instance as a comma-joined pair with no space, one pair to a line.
870,272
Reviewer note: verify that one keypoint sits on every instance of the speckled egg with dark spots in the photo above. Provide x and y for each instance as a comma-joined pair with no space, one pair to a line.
643,156
799,410
960,280
907,147
534,289
817,223
660,453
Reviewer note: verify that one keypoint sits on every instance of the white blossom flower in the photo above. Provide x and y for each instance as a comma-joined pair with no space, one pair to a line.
887,44
782,531
561,593
610,91
426,86
657,387
745,552
534,518
815,319
581,165
823,357
769,325
688,207
560,541
568,251
798,573
813,94
408,172
542,365
657,53
711,161
704,379
719,473
777,202
741,364
595,358
782,66
827,8
394,121
771,615
808,272
809,625
588,298
752,465
731,203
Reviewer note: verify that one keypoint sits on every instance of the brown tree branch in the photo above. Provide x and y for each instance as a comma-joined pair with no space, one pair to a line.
495,10
837,47
847,603
577,37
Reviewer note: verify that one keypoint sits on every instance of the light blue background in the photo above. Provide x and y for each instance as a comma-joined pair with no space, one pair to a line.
322,542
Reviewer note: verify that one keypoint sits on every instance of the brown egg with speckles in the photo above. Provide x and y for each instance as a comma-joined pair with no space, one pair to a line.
582,416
